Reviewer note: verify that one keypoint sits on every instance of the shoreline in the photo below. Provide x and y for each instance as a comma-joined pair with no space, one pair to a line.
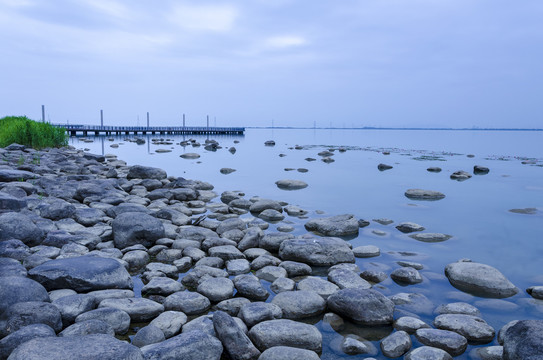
100,206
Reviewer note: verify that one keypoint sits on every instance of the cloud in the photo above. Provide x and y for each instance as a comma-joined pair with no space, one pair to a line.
286,41
216,18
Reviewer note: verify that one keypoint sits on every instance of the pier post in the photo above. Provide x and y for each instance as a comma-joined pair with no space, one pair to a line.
101,118
147,119
183,122
208,123
43,113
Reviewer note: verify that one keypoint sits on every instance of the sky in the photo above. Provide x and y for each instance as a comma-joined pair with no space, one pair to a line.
386,63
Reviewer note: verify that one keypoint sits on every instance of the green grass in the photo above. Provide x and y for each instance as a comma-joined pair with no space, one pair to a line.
23,131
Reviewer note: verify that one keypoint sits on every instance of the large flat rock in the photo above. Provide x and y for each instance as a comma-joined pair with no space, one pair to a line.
479,279
82,274
340,225
317,251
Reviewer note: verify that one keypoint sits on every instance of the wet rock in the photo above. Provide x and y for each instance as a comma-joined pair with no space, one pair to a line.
272,241
523,340
355,345
12,267
299,304
169,322
238,267
271,273
460,175
413,302
162,286
256,312
232,306
271,215
200,273
269,143
145,172
263,204
96,346
288,353
453,343
73,305
19,226
420,194
118,319
409,227
409,324
320,286
292,210
88,327
148,335
188,302
282,284
133,228
487,353
363,306
216,289
190,156
472,328
285,332
479,279
344,279
226,252
430,237
13,340
236,343
396,344
406,276
57,209
536,292
383,167
427,353
139,309
22,314
294,268
9,203
82,274
480,170
317,251
366,251
14,249
340,225
291,184
458,308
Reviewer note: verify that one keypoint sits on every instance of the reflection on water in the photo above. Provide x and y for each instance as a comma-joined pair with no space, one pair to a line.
475,212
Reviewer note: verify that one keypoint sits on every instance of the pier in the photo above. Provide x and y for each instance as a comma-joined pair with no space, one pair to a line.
73,130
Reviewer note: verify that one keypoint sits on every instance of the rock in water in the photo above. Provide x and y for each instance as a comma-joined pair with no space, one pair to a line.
340,225
362,306
316,251
284,332
192,345
82,274
235,341
524,340
479,279
134,228
97,346
291,184
145,172
419,194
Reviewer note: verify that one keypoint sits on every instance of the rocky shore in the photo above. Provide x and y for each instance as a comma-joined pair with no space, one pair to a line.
78,232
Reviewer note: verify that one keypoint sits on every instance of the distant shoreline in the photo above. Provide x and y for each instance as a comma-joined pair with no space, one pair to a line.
387,128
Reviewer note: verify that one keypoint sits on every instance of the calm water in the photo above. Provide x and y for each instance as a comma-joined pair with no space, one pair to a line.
475,211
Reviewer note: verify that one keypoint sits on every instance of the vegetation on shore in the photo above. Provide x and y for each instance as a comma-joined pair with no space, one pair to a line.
24,131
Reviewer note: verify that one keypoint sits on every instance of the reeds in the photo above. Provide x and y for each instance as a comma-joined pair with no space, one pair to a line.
23,131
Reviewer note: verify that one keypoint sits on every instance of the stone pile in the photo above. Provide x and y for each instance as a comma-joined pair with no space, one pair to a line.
77,229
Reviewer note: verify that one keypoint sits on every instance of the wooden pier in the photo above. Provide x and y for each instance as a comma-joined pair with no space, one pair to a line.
73,130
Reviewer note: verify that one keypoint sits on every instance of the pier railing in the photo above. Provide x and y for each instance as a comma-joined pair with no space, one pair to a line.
98,129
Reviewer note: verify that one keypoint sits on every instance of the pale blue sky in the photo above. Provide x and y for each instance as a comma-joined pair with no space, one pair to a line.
439,63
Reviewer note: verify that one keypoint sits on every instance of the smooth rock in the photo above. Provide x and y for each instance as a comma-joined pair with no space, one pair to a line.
285,332
406,276
427,353
291,184
524,340
145,172
216,289
473,328
288,353
249,286
344,279
409,324
294,268
148,335
479,279
366,251
299,304
453,343
188,302
170,322
22,314
396,344
420,194
119,320
409,227
283,284
256,312
340,225
19,226
15,289
139,309
363,306
236,343
318,285
133,228
72,306
317,251
88,327
192,345
430,237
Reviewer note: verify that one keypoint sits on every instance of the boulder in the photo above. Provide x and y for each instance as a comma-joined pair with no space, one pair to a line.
256,312
9,175
317,251
396,344
192,345
89,347
148,335
24,334
133,228
139,309
288,353
460,175
427,353
430,237
362,306
9,203
320,286
190,303
291,184
524,340
249,286
73,305
216,289
118,319
145,172
170,322
473,328
88,327
299,304
340,225
284,332
19,226
22,314
236,343
479,279
82,274
453,343
409,227
15,289
420,194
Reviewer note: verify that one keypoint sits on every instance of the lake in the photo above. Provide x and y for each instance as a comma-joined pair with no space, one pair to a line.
476,212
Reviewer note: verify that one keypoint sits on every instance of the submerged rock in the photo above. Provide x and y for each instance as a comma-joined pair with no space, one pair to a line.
362,306
317,251
291,184
340,225
430,237
460,175
420,194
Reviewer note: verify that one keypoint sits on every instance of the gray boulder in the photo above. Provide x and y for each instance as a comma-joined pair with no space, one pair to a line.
427,353
148,335
249,286
453,343
263,204
291,184
317,251
216,289
136,228
88,327
345,278
256,312
11,267
139,309
419,194
340,225
163,286
192,345
479,279
396,344
409,227
14,249
145,172
82,274
57,209
73,305
170,322
284,332
19,226
363,306
320,286
10,203
288,353
24,334
471,327
118,319
406,276
22,314
236,343
9,175
299,304
430,237
89,347
524,340
536,292
188,302
15,289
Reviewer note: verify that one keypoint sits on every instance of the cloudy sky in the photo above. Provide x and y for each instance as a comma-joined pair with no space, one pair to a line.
438,63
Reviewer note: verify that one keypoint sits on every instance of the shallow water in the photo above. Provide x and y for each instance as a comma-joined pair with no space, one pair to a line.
475,212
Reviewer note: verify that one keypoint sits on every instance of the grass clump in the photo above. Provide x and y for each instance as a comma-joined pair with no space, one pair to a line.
23,131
